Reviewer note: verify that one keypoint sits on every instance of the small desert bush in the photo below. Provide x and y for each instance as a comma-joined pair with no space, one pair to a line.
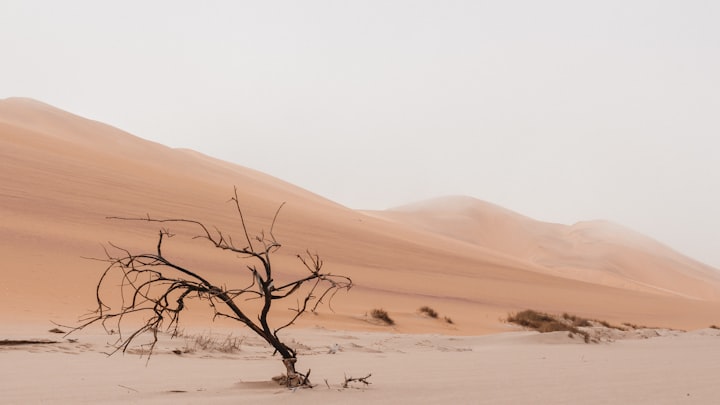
609,325
448,320
538,321
576,320
545,323
429,312
714,327
382,315
583,322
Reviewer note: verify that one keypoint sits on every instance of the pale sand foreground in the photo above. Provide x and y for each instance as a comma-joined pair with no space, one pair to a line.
506,368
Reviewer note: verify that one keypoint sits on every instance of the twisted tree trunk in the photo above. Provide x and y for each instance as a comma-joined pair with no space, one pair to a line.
153,284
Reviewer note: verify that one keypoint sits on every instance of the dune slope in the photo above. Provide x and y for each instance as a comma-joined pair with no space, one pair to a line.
61,175
594,251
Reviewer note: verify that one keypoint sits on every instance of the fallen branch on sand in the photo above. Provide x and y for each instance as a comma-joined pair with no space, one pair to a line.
7,342
363,380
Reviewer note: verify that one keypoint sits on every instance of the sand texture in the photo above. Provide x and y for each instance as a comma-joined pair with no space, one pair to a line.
507,368
62,175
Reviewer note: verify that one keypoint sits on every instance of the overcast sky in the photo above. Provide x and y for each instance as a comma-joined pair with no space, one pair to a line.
561,110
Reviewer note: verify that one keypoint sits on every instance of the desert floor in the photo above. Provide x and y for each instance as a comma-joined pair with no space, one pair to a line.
519,367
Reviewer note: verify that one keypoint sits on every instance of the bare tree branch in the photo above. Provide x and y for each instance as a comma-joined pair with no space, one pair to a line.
156,288
363,380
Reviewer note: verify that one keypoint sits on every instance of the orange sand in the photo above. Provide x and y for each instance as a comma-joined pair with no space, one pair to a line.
61,176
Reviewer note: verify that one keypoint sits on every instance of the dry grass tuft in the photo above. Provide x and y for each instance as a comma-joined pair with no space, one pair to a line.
429,312
545,323
209,343
382,315
539,321
577,321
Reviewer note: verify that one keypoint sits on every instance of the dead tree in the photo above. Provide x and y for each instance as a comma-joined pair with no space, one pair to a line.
155,288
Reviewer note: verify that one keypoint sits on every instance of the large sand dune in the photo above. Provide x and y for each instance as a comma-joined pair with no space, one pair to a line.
61,175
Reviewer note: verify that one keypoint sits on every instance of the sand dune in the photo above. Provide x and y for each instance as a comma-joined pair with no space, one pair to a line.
594,251
61,175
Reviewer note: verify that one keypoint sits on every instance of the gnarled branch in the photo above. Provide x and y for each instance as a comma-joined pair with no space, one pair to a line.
156,288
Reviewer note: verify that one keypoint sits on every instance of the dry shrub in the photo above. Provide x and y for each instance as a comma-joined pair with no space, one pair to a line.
229,344
429,312
583,322
545,323
608,325
576,320
382,315
539,321
448,320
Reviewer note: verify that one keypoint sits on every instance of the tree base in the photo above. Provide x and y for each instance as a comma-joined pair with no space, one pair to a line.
293,379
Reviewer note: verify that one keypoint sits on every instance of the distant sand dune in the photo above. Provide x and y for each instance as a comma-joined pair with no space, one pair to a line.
596,251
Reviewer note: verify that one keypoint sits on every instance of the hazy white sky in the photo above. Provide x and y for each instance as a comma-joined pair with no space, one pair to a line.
560,110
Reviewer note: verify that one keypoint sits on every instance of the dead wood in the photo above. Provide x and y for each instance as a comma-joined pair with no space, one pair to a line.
20,342
155,287
363,380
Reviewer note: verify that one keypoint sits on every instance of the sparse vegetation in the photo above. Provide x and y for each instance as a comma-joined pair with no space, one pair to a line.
576,320
539,321
545,323
429,312
382,315
714,327
610,326
229,344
